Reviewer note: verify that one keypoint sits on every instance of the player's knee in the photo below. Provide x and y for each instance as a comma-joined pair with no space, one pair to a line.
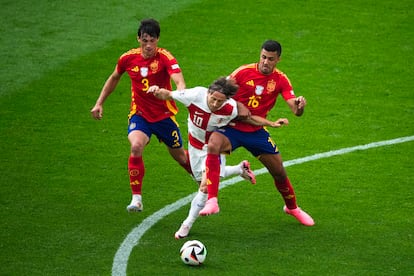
213,147
137,148
180,155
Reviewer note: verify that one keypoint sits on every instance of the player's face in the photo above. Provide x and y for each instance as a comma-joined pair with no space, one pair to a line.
148,45
215,100
268,61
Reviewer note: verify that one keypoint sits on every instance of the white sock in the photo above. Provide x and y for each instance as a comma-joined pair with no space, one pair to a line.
232,170
136,198
197,204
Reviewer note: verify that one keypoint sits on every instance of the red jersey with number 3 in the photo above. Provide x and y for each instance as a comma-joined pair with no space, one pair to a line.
258,92
144,73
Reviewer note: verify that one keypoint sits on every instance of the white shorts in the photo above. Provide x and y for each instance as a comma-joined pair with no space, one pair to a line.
198,161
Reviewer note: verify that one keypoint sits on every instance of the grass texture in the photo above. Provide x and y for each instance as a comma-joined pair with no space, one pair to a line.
64,184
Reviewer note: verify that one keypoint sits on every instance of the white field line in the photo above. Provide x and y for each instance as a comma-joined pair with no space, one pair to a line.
119,266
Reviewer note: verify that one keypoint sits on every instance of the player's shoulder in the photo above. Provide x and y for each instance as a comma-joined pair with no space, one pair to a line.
131,52
196,92
244,68
198,89
277,72
165,53
232,102
228,108
248,66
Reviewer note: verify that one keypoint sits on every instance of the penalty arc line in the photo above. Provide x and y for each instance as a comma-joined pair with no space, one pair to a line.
119,266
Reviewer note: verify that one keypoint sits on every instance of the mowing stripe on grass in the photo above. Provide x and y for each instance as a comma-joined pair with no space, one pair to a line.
119,266
49,29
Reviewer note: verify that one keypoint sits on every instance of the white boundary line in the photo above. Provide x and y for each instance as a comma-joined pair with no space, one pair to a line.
119,266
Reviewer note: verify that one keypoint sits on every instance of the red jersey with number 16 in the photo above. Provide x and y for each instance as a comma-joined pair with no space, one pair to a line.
144,73
258,92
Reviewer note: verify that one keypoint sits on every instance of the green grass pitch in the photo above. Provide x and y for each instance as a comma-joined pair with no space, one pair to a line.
64,184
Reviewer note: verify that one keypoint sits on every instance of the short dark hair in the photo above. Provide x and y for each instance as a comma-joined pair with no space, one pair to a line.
272,46
149,26
224,85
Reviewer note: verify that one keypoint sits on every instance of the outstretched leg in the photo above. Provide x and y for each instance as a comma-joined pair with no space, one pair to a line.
274,164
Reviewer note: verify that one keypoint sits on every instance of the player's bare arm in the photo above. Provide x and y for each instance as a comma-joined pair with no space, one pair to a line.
297,105
178,79
160,93
243,112
108,88
260,121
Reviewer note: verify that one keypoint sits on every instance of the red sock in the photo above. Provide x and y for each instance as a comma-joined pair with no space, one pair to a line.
136,173
287,192
213,174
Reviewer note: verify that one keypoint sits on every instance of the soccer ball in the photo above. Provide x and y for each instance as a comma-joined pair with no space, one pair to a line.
193,252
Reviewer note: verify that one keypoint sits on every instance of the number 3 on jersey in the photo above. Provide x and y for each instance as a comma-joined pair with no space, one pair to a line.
145,83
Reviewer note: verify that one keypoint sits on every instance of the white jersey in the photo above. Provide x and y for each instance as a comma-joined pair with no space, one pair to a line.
201,123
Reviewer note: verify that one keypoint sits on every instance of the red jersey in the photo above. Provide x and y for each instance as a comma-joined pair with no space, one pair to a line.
258,92
144,73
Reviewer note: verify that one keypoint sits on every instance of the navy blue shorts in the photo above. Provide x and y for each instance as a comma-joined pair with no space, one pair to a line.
166,130
257,142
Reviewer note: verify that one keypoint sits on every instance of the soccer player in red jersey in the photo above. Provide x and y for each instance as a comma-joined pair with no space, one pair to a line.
146,66
259,86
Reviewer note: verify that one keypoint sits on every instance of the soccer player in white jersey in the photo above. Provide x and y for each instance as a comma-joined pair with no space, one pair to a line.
209,108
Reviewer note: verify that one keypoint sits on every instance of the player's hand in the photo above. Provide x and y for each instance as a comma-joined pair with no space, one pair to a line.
280,122
153,89
243,112
300,102
97,112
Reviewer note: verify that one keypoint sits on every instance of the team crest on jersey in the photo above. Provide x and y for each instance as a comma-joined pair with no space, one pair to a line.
271,85
259,90
154,66
144,72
